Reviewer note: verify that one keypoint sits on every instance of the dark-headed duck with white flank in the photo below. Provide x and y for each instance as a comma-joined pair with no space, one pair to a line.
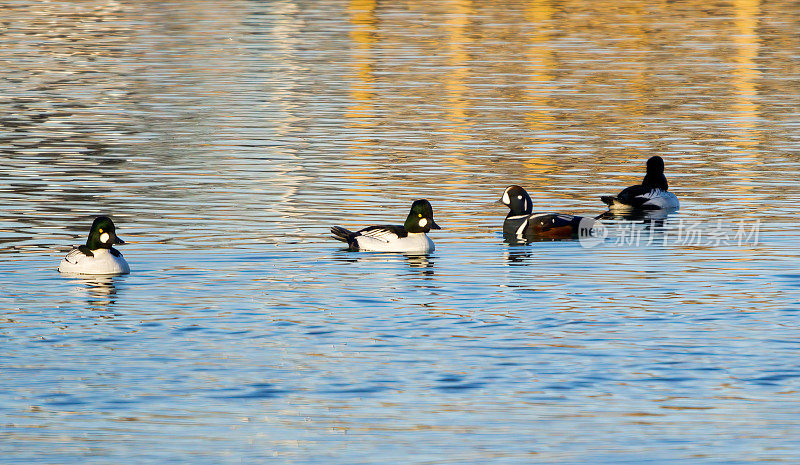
652,194
98,255
411,237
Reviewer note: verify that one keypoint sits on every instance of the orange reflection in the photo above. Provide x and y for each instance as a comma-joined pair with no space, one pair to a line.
454,79
362,17
745,74
458,19
362,91
541,66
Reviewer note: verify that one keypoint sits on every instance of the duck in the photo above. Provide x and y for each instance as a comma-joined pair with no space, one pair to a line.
522,222
98,256
652,194
411,237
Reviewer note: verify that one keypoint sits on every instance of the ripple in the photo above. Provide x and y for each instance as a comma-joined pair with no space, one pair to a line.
225,141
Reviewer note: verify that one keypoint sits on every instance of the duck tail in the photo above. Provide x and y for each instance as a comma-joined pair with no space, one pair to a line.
341,234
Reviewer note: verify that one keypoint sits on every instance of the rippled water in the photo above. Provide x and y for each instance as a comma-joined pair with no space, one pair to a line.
226,137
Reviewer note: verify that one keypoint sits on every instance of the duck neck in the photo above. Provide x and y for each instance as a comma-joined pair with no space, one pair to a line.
655,181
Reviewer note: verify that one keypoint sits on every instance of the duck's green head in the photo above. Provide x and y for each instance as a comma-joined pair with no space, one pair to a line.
420,218
103,235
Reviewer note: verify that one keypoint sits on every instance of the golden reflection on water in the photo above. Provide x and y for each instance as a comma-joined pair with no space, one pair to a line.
456,92
611,81
541,70
457,42
363,36
745,73
535,80
360,112
744,76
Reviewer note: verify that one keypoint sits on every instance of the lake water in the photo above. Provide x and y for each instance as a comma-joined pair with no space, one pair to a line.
225,138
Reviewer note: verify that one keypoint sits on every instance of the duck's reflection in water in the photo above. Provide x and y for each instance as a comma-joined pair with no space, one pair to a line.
515,241
518,251
518,254
101,291
423,263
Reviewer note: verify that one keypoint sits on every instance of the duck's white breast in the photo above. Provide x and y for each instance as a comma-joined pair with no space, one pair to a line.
414,242
103,262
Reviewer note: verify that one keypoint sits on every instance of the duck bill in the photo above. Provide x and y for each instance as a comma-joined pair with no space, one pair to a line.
119,241
434,225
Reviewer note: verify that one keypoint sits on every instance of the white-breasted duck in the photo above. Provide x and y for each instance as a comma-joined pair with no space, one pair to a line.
411,237
98,255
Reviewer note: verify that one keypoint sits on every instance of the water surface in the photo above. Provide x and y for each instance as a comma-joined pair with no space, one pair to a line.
226,137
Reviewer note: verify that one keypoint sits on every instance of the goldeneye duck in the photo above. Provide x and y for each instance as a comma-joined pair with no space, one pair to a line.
98,256
522,222
411,237
651,194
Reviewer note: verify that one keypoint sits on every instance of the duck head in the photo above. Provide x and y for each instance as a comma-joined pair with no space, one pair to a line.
517,200
420,218
655,165
103,235
655,179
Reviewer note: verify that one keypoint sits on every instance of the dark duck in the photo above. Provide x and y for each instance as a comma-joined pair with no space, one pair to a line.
652,194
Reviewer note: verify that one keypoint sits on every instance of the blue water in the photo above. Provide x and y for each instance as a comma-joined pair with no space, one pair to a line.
226,138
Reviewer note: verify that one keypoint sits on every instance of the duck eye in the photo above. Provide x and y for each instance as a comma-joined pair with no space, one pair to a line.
100,230
420,215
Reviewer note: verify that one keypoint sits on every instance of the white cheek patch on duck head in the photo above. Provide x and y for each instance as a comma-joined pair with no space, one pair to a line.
104,238
423,222
505,198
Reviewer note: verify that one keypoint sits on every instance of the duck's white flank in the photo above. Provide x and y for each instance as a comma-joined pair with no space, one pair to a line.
103,262
413,243
657,199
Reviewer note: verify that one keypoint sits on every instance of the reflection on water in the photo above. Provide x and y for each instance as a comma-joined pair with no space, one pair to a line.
424,264
99,291
225,138
517,253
